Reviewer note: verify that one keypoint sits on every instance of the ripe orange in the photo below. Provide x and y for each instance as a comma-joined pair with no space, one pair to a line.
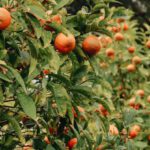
132,101
56,18
91,45
120,20
100,147
46,140
131,49
103,65
113,130
133,134
103,110
125,27
148,99
110,52
116,28
108,39
136,128
81,109
72,143
140,93
28,147
136,60
64,43
131,68
148,44
101,18
105,41
148,138
119,36
5,18
74,113
46,72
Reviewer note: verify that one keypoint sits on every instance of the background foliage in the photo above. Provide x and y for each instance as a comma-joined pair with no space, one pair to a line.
35,104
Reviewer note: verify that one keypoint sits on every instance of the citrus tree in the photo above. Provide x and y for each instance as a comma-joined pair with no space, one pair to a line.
73,81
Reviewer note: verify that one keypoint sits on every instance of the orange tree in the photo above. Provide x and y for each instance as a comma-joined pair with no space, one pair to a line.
72,81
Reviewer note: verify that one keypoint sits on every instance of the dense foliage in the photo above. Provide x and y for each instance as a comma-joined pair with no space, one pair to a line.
73,81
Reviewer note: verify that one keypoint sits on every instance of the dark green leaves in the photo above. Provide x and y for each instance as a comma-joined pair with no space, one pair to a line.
61,4
27,105
17,77
61,97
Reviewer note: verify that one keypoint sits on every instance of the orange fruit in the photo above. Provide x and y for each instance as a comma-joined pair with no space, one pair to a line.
119,36
136,128
136,60
131,49
103,65
108,39
56,18
64,43
91,45
74,113
103,41
110,52
120,20
132,101
116,28
148,138
100,147
133,134
148,44
140,93
72,143
125,27
103,110
81,109
46,140
131,68
28,147
101,18
113,130
46,72
5,18
148,99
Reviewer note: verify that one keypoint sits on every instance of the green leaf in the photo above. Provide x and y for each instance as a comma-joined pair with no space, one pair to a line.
98,7
61,4
3,53
83,90
99,139
61,78
5,78
141,145
2,40
60,144
36,26
17,128
46,38
36,9
105,31
27,104
61,97
33,64
1,95
89,139
15,125
33,47
50,147
79,73
18,77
